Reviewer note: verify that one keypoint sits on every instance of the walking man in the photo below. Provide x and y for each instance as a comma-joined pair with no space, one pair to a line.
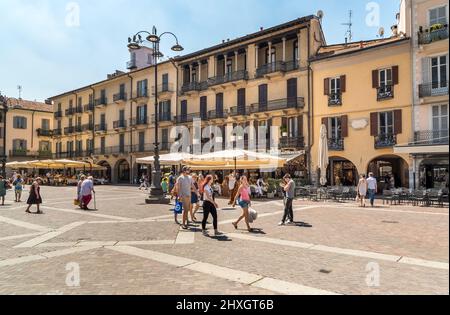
289,189
372,188
184,188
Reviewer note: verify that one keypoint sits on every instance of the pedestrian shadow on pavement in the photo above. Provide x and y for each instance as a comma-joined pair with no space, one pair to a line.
257,231
301,224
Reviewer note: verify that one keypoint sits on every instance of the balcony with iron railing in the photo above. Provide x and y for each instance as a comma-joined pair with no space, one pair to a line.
120,97
429,36
162,117
430,137
141,148
385,141
70,111
79,109
120,124
281,104
89,108
88,127
78,129
121,149
69,130
277,66
182,119
292,142
58,114
57,132
140,94
44,132
164,88
101,128
438,88
41,154
139,121
385,92
335,99
335,144
229,77
194,86
103,101
214,114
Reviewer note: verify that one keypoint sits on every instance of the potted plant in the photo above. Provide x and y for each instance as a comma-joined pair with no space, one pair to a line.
284,131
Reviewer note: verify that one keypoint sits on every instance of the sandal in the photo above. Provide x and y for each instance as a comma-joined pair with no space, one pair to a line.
235,225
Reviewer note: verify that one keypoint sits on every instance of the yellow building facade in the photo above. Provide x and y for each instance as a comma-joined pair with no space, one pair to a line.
362,94
29,127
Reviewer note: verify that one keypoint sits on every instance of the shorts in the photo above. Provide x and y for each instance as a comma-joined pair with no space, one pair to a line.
244,204
194,198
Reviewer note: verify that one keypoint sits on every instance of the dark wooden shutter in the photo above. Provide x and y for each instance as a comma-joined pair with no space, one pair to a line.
183,110
374,124
375,81
343,83
395,77
219,105
203,107
326,86
398,122
262,97
300,126
344,126
241,101
292,92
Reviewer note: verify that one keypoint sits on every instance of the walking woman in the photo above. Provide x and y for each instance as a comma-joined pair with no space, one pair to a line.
209,206
195,197
18,188
3,187
362,190
79,196
35,196
243,194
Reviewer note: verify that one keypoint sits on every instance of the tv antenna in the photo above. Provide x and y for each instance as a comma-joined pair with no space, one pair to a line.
19,87
349,33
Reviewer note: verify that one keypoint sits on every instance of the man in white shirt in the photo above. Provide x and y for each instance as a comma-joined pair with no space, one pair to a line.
372,188
87,188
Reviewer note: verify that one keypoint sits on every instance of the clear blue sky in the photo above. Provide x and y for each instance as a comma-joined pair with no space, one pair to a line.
44,50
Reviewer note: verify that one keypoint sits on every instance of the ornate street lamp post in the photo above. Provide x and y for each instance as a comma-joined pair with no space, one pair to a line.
4,109
134,43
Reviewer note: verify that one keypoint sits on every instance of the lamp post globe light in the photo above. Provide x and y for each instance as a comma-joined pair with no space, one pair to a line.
136,42
3,157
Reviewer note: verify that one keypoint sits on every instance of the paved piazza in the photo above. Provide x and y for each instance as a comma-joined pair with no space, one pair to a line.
128,247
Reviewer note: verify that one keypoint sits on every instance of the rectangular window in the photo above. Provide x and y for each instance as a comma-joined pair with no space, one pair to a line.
385,77
59,125
80,102
122,115
45,124
19,145
438,15
102,145
386,123
79,146
103,120
335,128
293,131
335,86
439,72
19,122
122,143
122,90
142,114
440,118
165,111
204,107
141,141
142,88
165,82
70,122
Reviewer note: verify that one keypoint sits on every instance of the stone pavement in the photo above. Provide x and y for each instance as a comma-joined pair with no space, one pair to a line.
128,247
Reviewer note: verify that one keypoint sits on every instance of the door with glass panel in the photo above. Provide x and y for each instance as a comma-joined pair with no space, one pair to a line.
440,123
439,80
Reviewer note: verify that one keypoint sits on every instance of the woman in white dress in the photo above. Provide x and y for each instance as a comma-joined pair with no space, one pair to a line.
362,190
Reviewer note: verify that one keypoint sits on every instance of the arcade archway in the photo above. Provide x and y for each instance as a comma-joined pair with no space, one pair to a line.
390,170
123,171
342,172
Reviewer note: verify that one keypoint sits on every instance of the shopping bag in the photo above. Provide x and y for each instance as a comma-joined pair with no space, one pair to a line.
178,207
252,215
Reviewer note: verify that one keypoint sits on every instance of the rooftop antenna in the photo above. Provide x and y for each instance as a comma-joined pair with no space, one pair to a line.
349,33
19,87
320,15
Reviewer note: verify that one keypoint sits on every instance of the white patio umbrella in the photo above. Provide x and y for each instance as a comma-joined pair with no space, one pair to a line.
166,159
323,155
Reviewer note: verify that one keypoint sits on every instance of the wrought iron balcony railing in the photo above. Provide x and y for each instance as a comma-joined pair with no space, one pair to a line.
44,132
277,66
69,130
147,147
58,114
88,108
385,141
164,88
229,77
292,142
139,121
88,127
213,114
103,101
181,119
336,144
79,109
57,132
120,124
70,111
162,117
120,97
385,92
437,88
431,137
194,86
335,99
429,37
101,128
